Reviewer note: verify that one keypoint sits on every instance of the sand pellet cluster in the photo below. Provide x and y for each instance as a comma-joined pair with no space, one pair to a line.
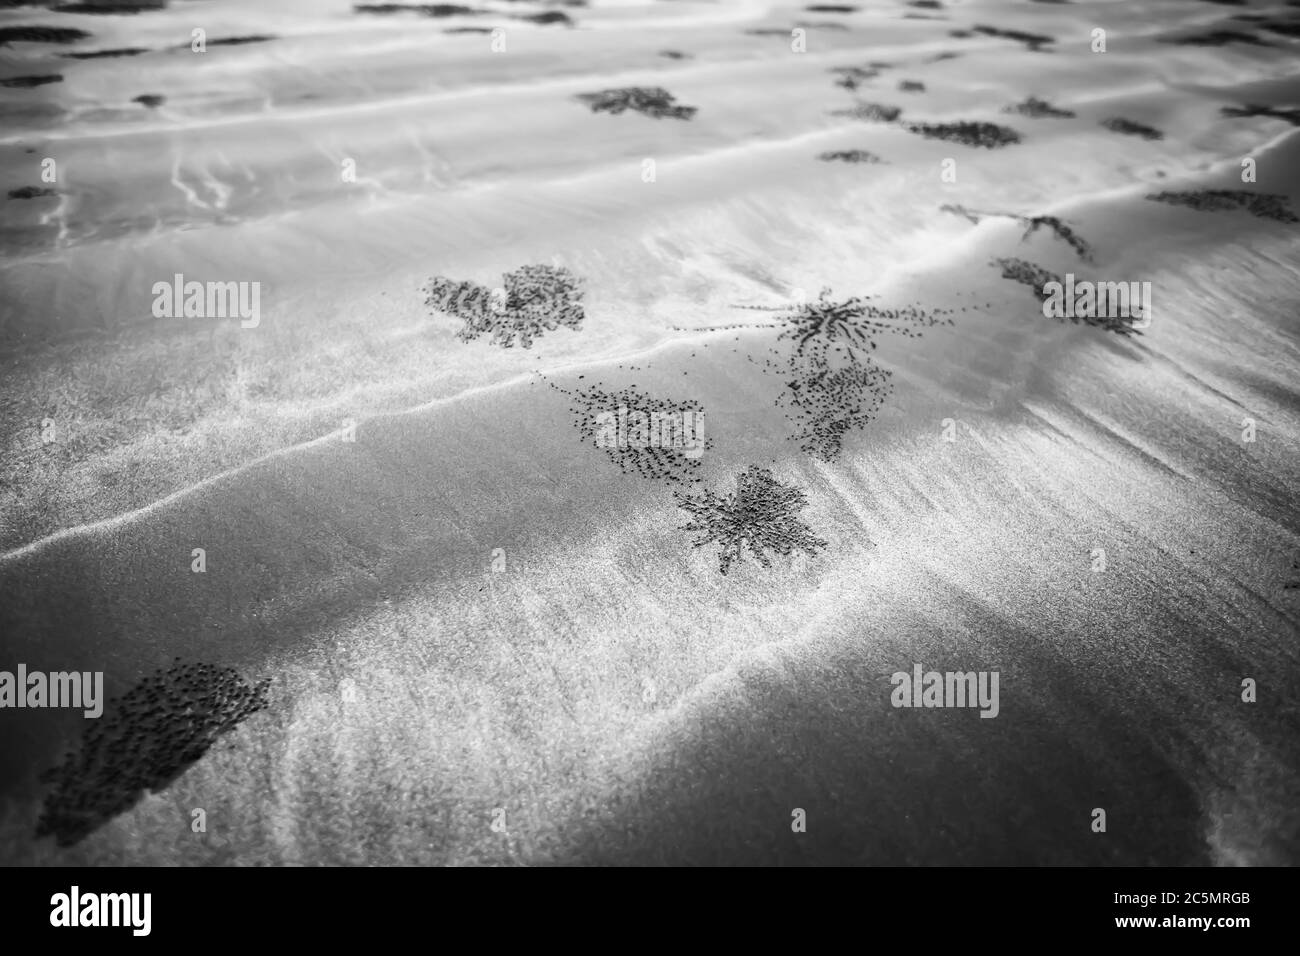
144,741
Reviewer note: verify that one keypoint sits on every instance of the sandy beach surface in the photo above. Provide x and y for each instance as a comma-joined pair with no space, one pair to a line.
487,637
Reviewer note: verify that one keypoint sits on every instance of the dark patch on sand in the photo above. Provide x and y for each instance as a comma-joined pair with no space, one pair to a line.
535,299
851,77
1038,109
675,54
1031,223
657,438
1036,278
546,17
151,100
1263,205
423,9
761,516
651,100
786,32
1032,41
1290,114
825,403
822,25
1285,28
109,7
32,192
1118,124
822,354
1294,583
240,41
1216,38
861,72
41,35
986,135
1027,274
144,741
27,82
849,156
872,112
232,41
911,86
97,54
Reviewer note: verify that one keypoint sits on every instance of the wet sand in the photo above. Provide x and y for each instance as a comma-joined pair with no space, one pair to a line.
471,607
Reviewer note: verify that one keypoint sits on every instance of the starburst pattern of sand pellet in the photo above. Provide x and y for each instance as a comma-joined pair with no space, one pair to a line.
143,741
825,323
760,516
822,355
